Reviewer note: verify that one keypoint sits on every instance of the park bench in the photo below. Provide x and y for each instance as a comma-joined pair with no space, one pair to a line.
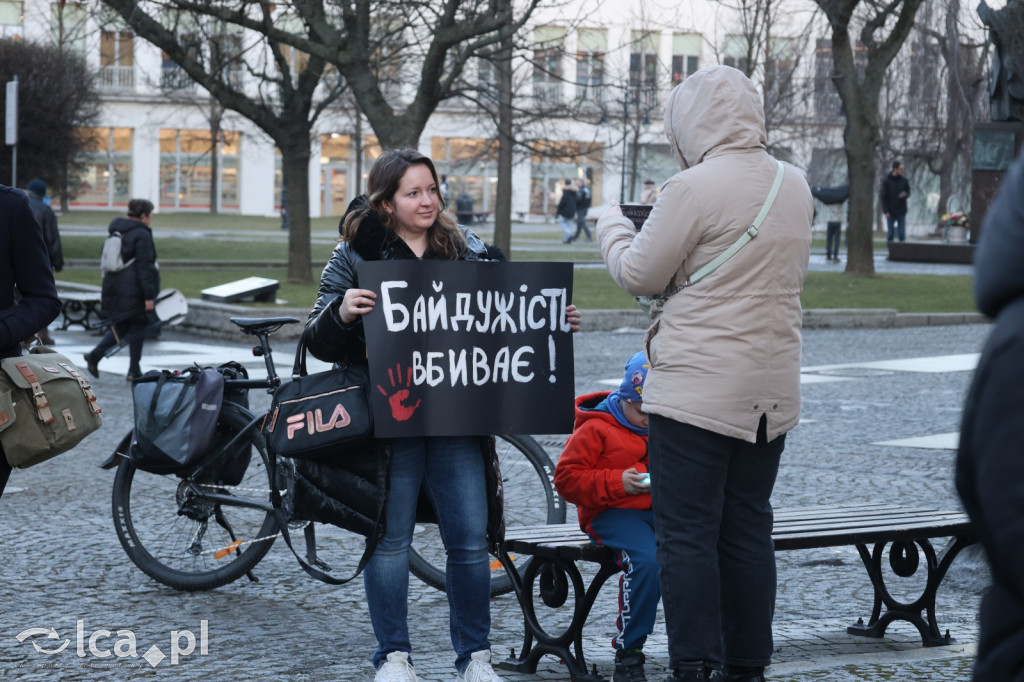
555,550
78,307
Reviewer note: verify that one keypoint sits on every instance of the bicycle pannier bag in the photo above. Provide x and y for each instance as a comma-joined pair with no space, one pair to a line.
47,406
175,418
323,415
231,466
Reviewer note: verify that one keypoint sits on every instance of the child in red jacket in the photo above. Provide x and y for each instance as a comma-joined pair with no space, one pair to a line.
603,471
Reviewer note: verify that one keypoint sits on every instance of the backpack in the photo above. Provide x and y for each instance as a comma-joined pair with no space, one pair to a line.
111,259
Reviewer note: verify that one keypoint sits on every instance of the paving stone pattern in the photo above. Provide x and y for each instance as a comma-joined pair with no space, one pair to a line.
61,561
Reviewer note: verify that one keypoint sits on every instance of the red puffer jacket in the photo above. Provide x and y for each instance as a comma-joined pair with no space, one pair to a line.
589,472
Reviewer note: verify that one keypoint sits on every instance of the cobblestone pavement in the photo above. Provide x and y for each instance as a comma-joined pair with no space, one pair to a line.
63,568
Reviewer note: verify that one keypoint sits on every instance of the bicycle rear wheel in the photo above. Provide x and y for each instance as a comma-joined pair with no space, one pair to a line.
186,541
528,479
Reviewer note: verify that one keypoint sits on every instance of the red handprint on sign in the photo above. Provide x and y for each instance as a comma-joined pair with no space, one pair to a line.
397,400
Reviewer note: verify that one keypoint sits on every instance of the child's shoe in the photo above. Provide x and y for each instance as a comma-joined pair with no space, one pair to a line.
629,666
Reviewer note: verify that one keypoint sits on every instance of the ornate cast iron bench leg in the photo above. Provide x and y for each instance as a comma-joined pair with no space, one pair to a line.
556,577
904,559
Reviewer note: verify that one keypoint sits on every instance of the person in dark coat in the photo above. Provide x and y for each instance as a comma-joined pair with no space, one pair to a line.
47,220
582,206
895,190
24,264
131,290
565,213
401,219
990,468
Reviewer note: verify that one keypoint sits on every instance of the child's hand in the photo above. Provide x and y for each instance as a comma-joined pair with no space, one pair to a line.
632,482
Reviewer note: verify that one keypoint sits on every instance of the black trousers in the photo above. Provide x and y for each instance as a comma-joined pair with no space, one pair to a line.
833,230
713,522
5,471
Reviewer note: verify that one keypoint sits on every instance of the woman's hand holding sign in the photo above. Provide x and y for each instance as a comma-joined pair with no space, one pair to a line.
355,303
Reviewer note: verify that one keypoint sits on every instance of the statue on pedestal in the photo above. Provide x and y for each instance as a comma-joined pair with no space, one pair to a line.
1006,29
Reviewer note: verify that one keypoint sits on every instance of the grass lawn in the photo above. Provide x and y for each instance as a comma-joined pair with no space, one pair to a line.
217,248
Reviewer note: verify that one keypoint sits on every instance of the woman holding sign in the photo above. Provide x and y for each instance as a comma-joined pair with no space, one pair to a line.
402,217
723,387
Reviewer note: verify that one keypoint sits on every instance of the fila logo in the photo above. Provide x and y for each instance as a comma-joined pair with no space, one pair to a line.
313,422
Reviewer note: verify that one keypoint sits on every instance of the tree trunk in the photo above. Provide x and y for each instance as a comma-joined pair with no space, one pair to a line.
295,167
214,157
503,207
860,165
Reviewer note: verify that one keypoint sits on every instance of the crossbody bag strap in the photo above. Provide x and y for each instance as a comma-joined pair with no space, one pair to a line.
719,260
747,235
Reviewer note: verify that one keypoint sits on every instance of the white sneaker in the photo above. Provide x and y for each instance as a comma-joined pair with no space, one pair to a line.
479,668
396,669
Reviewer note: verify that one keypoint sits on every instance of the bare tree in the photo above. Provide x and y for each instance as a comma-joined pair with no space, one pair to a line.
882,30
285,102
57,103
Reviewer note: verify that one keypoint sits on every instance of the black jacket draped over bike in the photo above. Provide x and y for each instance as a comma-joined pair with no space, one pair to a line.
336,492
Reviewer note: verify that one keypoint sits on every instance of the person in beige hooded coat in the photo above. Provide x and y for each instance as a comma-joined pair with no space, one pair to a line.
724,381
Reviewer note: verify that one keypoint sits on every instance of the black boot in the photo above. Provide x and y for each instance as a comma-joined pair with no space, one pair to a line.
629,666
739,673
92,364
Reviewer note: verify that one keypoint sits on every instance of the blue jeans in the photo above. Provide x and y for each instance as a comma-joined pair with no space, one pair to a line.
568,225
630,534
451,472
713,521
897,227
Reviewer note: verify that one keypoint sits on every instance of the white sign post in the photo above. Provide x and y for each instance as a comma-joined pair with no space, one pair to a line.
11,127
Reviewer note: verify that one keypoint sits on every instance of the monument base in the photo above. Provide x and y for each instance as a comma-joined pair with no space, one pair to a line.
931,252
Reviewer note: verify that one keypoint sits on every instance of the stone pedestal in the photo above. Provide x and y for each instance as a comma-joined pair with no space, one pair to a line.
995,147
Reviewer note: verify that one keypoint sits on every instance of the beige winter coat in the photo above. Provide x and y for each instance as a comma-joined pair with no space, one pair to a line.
726,350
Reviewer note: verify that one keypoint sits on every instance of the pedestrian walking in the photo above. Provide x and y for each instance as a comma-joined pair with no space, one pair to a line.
582,206
129,288
566,211
47,220
723,387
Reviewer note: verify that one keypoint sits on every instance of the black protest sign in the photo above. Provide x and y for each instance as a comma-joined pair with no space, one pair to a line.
637,213
462,348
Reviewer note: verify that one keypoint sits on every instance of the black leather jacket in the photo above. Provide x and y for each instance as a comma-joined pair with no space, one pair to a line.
331,340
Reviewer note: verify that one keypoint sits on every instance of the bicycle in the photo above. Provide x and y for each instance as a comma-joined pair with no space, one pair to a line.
194,530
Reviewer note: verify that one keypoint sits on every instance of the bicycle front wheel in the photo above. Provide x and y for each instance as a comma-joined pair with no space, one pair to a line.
528,479
184,540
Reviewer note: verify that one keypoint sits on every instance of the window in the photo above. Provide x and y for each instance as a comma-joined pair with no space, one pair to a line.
552,162
925,67
470,164
547,63
172,76
686,49
226,54
736,52
779,72
827,105
186,177
10,19
643,67
117,70
106,158
591,46
68,25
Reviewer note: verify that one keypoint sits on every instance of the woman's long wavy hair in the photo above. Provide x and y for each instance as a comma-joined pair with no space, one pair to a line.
444,236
